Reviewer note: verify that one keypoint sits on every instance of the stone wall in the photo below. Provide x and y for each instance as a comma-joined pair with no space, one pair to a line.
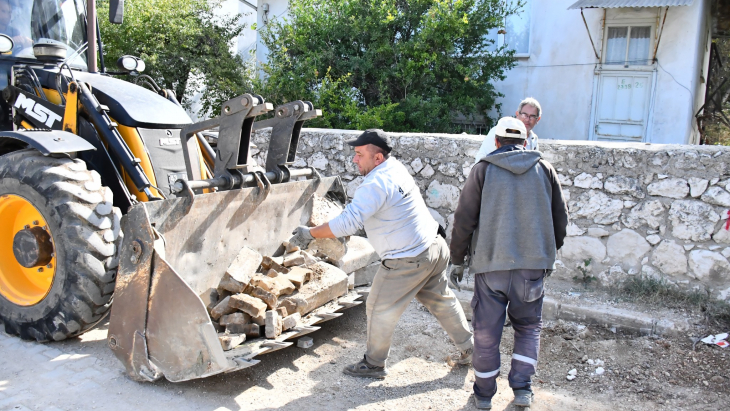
657,210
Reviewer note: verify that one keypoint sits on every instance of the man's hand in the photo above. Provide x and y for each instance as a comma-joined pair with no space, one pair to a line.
456,275
302,237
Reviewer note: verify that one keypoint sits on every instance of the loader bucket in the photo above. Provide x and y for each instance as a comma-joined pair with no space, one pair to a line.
174,250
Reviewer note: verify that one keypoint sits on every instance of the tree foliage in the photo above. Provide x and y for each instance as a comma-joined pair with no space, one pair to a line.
185,46
403,65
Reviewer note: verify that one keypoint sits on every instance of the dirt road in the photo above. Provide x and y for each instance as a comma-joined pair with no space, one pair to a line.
641,373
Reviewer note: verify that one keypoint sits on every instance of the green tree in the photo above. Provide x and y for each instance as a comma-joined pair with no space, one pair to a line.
185,46
403,65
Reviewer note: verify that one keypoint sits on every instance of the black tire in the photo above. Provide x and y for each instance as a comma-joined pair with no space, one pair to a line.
86,234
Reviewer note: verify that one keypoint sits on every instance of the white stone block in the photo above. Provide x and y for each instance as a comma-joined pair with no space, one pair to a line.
442,195
573,230
583,248
697,186
597,232
692,220
624,185
628,247
585,180
597,206
670,187
669,257
653,239
709,265
649,212
717,196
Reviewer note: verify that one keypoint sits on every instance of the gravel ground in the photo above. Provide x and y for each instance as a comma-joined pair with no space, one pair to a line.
641,373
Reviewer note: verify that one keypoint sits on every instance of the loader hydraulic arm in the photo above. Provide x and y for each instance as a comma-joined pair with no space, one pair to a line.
118,148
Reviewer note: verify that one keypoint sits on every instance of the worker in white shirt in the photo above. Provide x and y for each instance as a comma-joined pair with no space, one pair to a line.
529,112
414,257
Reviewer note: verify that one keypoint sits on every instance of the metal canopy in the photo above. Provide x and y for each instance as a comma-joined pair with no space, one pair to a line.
612,4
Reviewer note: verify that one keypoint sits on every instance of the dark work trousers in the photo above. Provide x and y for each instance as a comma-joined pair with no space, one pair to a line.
493,291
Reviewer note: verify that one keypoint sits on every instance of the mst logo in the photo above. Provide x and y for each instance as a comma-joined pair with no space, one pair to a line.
36,110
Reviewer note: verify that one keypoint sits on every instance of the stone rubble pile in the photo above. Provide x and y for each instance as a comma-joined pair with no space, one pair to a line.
263,296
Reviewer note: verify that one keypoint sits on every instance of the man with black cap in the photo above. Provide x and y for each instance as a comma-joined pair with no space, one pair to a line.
512,218
414,258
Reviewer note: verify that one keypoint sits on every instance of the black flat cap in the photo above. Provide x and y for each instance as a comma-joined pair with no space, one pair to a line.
373,136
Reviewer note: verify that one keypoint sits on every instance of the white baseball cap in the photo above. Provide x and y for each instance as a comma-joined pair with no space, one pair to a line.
510,127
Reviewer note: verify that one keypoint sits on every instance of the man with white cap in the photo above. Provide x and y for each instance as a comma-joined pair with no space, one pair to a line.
512,217
529,112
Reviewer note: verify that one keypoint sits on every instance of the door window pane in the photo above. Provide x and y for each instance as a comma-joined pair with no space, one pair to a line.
639,45
616,45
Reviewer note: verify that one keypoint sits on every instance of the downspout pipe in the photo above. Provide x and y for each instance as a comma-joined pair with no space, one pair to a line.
589,34
656,47
91,34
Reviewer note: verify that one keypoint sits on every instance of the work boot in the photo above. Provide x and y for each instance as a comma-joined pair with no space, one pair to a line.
462,358
366,370
523,398
482,403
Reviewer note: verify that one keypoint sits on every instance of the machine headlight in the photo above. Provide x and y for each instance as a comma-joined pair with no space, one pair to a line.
6,44
127,63
140,65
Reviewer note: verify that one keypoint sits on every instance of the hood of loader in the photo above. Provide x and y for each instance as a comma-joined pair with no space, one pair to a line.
174,250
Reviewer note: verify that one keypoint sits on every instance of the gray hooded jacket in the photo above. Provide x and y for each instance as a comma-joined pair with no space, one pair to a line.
511,213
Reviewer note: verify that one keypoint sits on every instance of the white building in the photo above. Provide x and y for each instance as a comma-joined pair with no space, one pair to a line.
642,79
626,70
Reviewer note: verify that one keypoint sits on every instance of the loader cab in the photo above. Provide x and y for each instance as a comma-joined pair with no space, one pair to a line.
25,22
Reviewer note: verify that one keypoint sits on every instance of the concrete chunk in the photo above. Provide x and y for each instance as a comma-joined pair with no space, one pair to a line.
236,328
267,297
291,321
248,304
290,248
260,320
292,259
232,285
298,276
267,283
323,210
305,342
359,254
222,308
282,312
230,341
244,265
284,286
274,263
332,249
328,282
273,324
252,330
235,318
290,306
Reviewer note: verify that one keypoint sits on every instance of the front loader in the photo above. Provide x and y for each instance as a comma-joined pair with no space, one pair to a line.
109,193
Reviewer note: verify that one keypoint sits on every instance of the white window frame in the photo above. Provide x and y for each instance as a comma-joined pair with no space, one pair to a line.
629,23
500,36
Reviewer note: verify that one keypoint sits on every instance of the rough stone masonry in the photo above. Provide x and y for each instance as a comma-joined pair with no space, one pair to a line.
636,208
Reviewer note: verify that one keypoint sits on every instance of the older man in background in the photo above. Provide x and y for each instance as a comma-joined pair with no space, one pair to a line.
529,112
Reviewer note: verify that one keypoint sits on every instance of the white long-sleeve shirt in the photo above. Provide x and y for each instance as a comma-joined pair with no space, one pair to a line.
488,145
389,206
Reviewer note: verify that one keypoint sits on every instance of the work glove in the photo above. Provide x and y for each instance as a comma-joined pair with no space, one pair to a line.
456,275
302,237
